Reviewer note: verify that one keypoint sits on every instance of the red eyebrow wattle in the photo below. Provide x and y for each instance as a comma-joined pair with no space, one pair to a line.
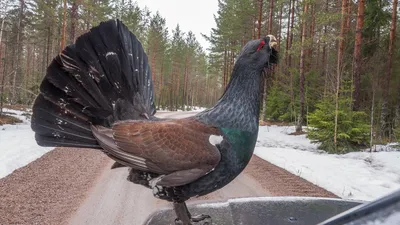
261,45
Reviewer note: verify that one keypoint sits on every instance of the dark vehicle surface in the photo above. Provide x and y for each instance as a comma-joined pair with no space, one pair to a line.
292,210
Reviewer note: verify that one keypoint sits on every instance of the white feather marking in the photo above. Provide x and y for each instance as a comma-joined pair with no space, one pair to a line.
56,134
110,53
215,139
66,89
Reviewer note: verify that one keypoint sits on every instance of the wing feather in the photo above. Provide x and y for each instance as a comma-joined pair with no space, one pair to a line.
161,147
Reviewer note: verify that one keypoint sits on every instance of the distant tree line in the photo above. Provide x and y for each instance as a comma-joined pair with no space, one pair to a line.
33,32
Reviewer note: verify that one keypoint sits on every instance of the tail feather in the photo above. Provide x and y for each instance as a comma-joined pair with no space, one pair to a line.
55,126
101,78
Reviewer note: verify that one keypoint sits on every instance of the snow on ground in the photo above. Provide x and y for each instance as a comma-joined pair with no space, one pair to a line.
17,144
356,175
386,148
192,109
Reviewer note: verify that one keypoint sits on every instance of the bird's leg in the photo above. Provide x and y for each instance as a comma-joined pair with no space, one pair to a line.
182,213
185,218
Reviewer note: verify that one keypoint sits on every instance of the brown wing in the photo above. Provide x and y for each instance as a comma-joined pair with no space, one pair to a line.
180,147
106,140
172,145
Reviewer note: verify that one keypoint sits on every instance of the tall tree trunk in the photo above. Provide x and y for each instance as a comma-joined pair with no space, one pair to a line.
302,69
357,55
253,33
279,41
49,44
385,115
271,15
292,113
280,28
267,73
1,62
288,35
27,69
43,59
291,31
324,51
64,26
3,79
348,20
34,63
17,63
340,65
260,5
186,83
161,86
372,120
88,20
309,55
264,94
225,67
153,64
73,17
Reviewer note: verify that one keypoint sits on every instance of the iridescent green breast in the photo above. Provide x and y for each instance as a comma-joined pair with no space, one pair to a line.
236,150
242,143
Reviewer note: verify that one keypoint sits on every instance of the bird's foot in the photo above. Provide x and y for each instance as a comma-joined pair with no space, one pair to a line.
201,219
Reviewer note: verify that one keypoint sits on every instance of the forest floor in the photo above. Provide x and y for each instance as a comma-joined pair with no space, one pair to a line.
61,187
9,119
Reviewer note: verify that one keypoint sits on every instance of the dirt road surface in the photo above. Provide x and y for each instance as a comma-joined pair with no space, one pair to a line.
71,186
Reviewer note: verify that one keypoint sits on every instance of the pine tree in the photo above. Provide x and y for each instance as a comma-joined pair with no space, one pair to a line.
357,55
351,128
385,114
302,69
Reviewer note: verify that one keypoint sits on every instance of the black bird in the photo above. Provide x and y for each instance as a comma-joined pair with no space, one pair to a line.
98,93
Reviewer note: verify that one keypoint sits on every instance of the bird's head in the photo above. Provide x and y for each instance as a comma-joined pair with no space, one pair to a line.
260,53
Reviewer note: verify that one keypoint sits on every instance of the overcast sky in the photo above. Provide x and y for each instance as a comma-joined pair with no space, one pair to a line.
194,15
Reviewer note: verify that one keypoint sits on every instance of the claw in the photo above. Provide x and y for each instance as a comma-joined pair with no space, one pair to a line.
197,220
185,218
201,219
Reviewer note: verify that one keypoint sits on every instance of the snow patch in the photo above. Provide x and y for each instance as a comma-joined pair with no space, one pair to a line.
192,109
357,175
390,147
18,146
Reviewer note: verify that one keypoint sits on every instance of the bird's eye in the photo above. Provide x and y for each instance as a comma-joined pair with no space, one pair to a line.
261,45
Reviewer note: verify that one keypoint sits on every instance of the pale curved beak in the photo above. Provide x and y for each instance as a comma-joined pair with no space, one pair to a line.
272,41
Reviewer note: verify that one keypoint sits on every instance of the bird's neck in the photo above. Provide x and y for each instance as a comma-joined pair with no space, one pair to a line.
239,106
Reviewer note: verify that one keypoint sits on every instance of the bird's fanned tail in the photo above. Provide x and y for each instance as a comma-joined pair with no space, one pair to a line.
102,78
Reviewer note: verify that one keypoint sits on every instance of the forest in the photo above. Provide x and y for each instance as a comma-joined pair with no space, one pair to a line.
339,69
